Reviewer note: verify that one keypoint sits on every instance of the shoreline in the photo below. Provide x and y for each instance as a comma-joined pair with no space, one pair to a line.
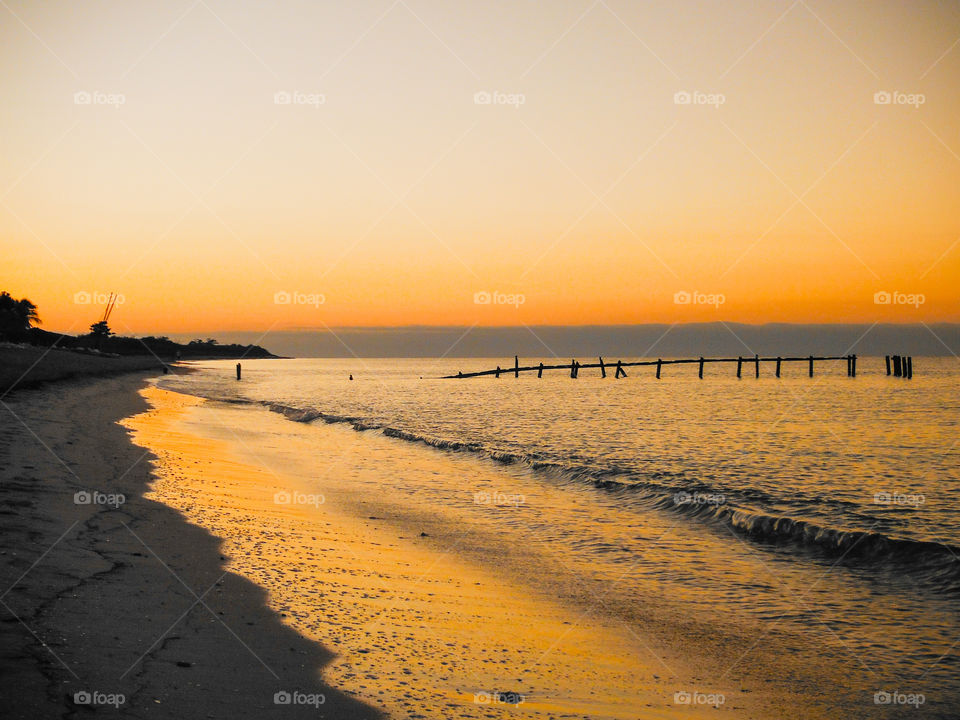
104,599
417,629
25,367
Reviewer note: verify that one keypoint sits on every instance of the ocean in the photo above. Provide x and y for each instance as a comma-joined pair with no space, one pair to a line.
800,532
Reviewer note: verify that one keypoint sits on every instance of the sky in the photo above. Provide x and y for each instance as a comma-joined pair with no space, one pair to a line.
248,166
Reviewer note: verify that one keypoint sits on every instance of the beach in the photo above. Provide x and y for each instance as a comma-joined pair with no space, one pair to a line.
125,603
186,556
183,608
23,366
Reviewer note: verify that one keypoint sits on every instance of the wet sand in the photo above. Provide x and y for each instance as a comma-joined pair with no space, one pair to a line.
417,630
428,617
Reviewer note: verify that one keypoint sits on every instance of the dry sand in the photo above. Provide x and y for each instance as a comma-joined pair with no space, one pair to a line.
23,366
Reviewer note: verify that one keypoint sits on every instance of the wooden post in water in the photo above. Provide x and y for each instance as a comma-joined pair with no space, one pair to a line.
887,358
540,371
659,365
701,369
516,366
603,370
779,360
756,361
497,373
853,365
573,369
620,370
238,371
739,365
896,366
910,367
811,366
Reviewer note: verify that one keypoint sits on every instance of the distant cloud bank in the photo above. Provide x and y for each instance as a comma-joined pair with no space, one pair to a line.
708,339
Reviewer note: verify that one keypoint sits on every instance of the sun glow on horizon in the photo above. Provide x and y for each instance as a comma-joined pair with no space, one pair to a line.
238,166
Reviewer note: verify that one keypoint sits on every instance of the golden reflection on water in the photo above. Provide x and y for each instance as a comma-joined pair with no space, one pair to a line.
417,630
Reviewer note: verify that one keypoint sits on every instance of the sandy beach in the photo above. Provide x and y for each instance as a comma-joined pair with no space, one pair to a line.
112,601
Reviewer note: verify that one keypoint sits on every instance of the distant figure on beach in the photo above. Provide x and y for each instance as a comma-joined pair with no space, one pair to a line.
351,377
238,371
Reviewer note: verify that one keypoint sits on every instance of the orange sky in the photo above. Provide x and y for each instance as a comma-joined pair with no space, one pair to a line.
585,191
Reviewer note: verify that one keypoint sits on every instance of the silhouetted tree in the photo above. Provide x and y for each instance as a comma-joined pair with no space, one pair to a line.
16,316
100,331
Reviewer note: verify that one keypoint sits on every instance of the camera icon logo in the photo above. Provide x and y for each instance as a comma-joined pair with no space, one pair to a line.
282,498
682,298
82,497
482,298
282,98
882,98
82,698
82,98
282,698
82,298
282,298
682,98
882,298
482,98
